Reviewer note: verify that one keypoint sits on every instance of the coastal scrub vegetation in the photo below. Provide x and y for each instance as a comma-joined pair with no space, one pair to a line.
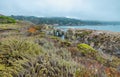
5,19
28,50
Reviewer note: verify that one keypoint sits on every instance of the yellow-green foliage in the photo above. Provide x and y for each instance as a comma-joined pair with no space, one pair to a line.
21,45
6,26
86,49
5,19
100,59
15,53
2,67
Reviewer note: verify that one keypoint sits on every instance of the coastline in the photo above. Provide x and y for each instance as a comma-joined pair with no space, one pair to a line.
101,40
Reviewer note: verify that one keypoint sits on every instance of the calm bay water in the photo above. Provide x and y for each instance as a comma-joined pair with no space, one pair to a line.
114,28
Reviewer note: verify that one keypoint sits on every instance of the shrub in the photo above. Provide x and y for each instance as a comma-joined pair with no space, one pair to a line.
86,49
65,43
74,51
32,30
100,59
2,67
21,45
5,19
15,54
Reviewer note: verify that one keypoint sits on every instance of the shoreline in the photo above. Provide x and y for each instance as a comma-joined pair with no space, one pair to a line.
92,27
98,31
105,41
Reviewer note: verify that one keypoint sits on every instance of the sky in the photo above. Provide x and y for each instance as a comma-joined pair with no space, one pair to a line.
101,10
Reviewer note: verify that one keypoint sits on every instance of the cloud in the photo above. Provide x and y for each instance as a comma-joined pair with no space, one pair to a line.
107,10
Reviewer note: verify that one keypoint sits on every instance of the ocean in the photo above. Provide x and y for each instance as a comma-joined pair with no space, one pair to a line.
113,28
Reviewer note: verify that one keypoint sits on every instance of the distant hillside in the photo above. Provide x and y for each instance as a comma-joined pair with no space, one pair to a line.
5,19
1,15
61,21
51,20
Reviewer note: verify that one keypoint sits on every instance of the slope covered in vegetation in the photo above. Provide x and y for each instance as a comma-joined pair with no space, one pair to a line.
5,19
33,51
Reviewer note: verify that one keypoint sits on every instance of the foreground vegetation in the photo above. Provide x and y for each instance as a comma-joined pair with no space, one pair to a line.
32,51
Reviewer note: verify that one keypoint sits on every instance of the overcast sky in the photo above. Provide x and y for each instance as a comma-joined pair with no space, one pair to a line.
103,10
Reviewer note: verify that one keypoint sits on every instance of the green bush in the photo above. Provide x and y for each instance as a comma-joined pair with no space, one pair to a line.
86,49
5,19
